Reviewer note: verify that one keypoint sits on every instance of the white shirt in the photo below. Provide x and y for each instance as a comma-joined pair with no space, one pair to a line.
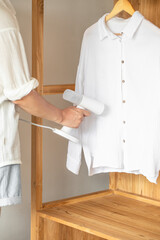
15,83
123,72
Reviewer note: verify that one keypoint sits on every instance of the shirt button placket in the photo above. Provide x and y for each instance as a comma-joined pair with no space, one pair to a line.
124,99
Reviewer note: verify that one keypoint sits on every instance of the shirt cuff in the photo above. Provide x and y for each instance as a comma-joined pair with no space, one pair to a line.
23,90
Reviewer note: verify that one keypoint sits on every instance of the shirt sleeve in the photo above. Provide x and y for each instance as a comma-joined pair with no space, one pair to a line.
74,153
14,72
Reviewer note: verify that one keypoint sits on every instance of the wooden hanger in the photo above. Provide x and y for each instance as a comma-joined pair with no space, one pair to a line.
121,5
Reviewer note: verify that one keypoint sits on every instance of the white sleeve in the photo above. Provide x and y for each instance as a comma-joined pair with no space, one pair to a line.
14,72
75,149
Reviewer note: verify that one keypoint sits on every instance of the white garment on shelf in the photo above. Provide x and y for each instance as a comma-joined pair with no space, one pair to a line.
123,72
15,83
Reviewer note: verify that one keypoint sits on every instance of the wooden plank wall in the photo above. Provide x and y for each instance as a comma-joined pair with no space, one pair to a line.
138,184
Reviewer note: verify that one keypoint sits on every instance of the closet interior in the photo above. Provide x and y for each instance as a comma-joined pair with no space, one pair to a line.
128,210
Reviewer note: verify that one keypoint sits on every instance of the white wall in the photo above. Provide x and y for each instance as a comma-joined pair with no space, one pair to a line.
65,22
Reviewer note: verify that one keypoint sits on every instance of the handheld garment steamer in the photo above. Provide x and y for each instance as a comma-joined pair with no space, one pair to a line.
82,102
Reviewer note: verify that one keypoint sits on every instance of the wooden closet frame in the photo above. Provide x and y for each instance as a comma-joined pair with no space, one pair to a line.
129,186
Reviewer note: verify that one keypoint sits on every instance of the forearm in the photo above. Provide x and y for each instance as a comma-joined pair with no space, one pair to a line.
36,105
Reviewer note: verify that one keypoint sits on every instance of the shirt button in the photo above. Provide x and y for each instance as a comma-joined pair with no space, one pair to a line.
123,81
124,140
122,61
124,101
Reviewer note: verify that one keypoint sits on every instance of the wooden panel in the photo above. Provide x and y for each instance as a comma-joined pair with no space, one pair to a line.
137,184
56,231
149,8
57,89
133,183
110,217
36,143
40,224
114,216
77,198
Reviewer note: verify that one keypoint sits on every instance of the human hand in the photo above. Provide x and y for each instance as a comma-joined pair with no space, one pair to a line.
73,116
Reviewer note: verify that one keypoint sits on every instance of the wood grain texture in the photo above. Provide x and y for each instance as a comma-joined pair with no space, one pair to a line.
56,231
36,141
132,183
76,199
110,217
149,8
135,4
120,214
138,184
57,89
121,5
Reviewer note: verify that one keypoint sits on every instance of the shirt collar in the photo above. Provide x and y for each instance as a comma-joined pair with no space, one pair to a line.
128,31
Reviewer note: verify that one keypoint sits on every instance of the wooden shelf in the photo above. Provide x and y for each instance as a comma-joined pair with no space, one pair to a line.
108,215
129,210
